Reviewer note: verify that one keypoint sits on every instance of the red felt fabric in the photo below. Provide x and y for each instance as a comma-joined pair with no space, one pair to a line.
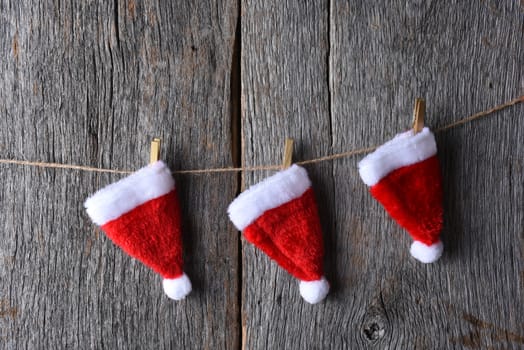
291,235
151,233
412,195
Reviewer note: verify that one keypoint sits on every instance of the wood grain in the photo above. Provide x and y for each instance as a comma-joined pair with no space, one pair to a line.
338,75
285,93
92,82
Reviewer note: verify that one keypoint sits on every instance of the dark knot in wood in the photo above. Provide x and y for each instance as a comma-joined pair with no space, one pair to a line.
374,331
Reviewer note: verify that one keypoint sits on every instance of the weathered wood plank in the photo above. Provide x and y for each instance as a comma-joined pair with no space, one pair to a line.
382,59
462,57
91,82
285,94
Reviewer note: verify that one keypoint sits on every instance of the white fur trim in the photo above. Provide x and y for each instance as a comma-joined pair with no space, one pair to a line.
177,288
314,291
272,192
121,197
426,253
403,150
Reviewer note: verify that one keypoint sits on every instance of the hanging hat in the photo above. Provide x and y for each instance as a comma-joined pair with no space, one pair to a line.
141,215
404,176
279,215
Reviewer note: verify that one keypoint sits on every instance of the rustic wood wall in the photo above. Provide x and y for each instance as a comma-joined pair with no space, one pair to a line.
223,83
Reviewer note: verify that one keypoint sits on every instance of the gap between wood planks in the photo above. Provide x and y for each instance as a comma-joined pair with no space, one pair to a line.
236,154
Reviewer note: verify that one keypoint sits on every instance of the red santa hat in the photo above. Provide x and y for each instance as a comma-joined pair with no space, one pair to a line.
141,215
404,176
279,215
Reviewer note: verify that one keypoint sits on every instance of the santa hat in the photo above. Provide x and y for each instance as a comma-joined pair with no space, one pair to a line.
141,215
404,176
279,215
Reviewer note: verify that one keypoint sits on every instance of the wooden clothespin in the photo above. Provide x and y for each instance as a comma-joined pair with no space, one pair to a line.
418,115
155,150
288,154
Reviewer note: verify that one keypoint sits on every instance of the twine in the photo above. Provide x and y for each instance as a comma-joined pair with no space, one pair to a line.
263,167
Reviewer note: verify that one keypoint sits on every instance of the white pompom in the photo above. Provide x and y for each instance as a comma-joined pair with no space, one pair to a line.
177,288
314,291
426,253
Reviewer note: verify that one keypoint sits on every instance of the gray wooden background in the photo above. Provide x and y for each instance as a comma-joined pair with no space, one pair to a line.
223,82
